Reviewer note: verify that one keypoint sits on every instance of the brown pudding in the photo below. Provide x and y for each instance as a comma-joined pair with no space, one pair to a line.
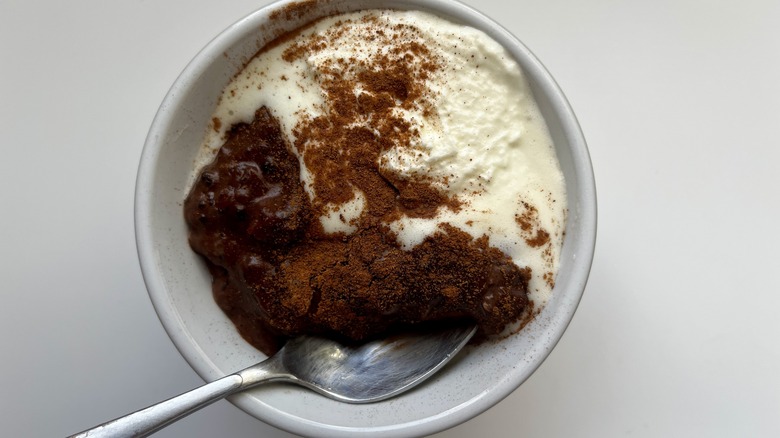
278,275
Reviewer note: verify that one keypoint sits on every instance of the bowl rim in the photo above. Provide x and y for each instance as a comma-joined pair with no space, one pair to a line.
584,243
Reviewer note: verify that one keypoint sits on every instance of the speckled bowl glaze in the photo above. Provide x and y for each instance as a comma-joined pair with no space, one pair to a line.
179,284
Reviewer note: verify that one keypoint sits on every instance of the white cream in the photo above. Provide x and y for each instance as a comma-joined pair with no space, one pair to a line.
486,143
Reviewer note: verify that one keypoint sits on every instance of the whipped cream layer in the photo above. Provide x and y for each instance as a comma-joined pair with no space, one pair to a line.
480,136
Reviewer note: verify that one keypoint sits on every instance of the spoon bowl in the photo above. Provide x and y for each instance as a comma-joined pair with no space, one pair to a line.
372,371
351,373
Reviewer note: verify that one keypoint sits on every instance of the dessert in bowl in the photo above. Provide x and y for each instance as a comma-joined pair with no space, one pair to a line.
179,282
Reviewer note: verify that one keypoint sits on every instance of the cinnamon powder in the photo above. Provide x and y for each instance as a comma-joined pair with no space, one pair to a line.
278,274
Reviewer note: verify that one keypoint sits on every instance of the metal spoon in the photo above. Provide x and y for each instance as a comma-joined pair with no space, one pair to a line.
364,373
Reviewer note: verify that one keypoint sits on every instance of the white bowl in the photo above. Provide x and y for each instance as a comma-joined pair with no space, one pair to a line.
179,284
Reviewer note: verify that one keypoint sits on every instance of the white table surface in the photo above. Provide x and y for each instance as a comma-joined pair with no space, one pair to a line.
678,333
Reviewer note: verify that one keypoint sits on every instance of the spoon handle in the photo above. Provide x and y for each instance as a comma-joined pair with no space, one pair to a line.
149,420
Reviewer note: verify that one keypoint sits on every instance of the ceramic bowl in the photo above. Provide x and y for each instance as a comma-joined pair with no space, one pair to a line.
179,284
